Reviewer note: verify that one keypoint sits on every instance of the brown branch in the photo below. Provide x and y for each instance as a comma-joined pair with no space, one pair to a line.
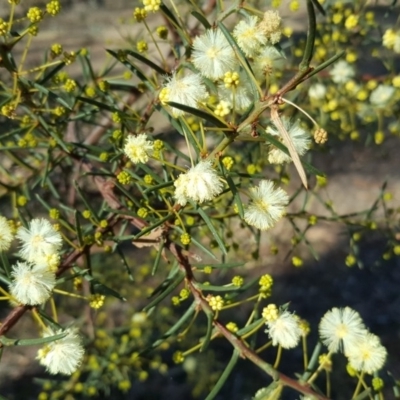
236,341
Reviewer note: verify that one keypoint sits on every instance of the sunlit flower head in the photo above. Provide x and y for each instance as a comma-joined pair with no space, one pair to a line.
188,90
341,329
249,37
301,141
381,96
201,183
212,54
391,40
51,261
6,234
367,355
267,62
267,205
31,284
38,240
138,148
271,26
342,72
151,5
62,356
223,108
284,330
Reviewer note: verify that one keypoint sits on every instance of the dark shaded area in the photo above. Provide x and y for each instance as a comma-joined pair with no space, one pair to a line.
373,291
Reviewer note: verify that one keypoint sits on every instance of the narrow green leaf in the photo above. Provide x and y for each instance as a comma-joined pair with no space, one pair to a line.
175,124
177,25
87,69
135,70
190,136
47,169
260,322
151,227
19,160
203,248
207,338
78,228
7,59
173,273
101,106
236,196
125,263
166,292
243,288
318,6
212,229
171,331
85,201
5,280
51,95
235,5
150,171
224,376
157,259
43,202
100,288
201,19
201,114
212,288
157,187
365,394
5,264
219,266
51,73
31,342
168,14
52,134
325,64
144,60
309,49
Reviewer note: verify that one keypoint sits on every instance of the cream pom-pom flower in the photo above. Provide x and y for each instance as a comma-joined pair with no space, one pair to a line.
62,356
342,72
317,91
271,26
381,96
212,54
249,37
138,148
32,284
200,183
368,354
267,205
188,90
6,234
38,240
341,329
284,329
